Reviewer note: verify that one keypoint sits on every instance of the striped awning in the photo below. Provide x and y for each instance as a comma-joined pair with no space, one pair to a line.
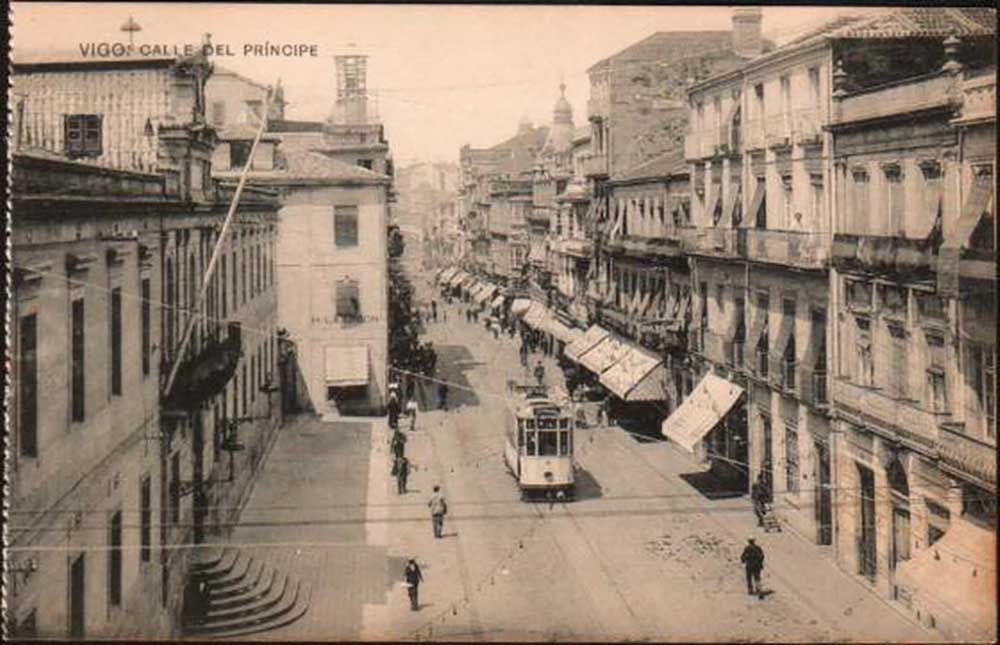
605,354
586,342
447,274
561,331
638,376
535,316
484,294
457,278
497,302
701,411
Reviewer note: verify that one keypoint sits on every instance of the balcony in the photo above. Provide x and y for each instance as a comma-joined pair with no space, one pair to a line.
889,417
205,373
898,97
801,249
714,242
979,100
595,165
965,456
883,255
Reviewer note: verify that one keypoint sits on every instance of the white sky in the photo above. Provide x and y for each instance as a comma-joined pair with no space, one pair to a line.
443,75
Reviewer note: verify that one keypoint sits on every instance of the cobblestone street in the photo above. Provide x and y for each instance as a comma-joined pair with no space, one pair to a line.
641,555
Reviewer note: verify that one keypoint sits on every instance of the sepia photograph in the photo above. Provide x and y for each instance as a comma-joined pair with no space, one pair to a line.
500,322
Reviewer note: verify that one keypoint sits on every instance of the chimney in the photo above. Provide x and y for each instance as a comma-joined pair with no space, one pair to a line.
747,40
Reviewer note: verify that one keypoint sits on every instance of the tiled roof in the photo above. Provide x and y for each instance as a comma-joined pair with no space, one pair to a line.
289,125
315,167
664,44
671,163
924,22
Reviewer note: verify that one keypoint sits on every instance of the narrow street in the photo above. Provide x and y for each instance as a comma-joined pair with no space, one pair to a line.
641,555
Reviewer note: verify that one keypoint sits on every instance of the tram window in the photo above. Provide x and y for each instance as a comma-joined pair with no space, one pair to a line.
530,443
529,424
564,423
548,443
564,443
547,424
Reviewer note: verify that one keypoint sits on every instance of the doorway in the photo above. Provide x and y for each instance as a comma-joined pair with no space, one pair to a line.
76,598
822,505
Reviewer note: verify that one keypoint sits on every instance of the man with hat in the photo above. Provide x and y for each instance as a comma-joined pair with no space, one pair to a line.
412,577
753,560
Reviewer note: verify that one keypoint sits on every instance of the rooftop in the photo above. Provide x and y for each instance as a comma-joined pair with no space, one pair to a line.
666,165
306,166
660,45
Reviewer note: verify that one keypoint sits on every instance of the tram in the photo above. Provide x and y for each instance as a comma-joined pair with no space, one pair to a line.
539,447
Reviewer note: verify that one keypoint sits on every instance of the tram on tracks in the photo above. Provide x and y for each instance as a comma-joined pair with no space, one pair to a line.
539,446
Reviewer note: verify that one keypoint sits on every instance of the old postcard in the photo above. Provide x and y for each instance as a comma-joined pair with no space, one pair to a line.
501,323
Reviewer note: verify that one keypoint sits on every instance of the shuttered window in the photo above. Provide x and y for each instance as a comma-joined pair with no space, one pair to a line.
116,341
77,357
345,224
83,135
28,386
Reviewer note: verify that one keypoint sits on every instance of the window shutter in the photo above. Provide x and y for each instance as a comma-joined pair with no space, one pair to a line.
345,226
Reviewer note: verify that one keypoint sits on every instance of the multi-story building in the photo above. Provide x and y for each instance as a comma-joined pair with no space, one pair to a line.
914,290
331,246
237,100
123,466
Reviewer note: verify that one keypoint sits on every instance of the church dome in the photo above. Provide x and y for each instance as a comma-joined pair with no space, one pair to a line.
561,134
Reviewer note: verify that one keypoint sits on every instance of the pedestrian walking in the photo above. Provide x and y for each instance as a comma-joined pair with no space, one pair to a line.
443,395
434,310
411,411
759,497
540,373
439,508
398,444
393,408
412,577
524,354
401,469
753,561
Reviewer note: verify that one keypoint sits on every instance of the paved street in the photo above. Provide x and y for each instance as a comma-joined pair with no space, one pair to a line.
641,555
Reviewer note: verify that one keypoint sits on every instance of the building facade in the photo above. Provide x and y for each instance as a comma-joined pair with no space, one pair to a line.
121,474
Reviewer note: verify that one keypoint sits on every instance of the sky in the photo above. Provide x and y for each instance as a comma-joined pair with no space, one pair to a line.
441,76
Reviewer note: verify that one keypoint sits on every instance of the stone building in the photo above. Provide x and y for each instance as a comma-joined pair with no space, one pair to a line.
914,342
117,467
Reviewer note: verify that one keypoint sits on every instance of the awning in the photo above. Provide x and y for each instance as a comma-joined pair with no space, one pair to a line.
535,316
701,411
759,192
347,366
605,354
635,367
484,294
457,278
561,331
586,342
727,213
497,302
956,574
520,306
975,205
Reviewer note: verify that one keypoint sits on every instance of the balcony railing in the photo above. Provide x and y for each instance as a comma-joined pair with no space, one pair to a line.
809,250
870,406
881,254
595,165
708,241
967,456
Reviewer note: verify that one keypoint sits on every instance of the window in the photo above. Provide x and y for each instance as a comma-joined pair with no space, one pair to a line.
115,560
222,283
548,443
814,92
255,108
740,337
760,217
758,92
763,305
818,200
239,153
786,106
859,201
345,225
243,390
243,275
936,382
348,303
894,194
788,353
898,371
787,201
365,163
116,341
146,320
28,386
791,457
979,505
218,112
253,378
83,134
77,369
145,520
